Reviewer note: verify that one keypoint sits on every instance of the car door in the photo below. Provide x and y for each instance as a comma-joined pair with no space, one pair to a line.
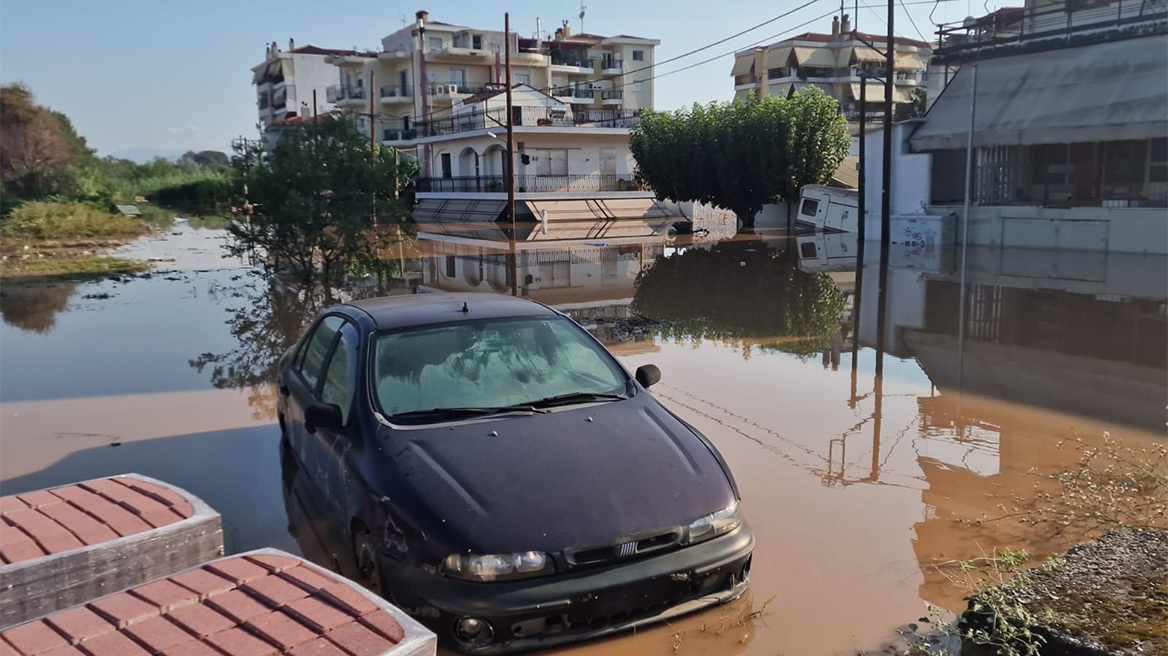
300,386
337,386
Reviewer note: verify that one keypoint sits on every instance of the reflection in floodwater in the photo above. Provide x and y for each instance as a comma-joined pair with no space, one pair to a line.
34,307
856,484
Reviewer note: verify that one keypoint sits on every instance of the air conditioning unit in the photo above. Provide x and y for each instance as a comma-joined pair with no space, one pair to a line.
595,87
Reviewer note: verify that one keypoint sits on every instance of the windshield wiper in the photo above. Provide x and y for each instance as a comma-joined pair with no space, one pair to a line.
575,397
459,413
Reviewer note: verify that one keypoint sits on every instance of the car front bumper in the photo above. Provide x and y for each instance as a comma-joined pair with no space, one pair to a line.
554,610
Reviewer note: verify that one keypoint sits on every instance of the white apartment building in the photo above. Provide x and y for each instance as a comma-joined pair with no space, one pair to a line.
839,63
286,79
425,69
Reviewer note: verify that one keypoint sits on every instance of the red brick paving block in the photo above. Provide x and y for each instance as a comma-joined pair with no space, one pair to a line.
347,598
52,537
38,498
113,644
240,570
158,492
122,521
308,578
159,634
128,498
274,563
203,582
359,640
237,605
193,648
322,647
10,503
383,623
166,594
280,629
274,590
86,528
6,647
317,614
238,642
124,609
80,623
16,550
201,620
67,650
33,638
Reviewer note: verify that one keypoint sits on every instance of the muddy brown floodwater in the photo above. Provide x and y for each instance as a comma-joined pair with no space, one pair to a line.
855,484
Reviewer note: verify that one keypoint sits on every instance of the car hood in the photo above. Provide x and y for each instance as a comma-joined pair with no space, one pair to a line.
575,477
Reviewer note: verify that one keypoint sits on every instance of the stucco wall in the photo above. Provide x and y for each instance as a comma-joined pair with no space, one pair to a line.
583,151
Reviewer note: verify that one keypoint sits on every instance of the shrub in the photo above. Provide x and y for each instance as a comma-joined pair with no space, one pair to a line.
67,220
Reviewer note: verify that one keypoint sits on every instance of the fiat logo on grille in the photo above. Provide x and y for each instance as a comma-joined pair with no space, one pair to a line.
627,549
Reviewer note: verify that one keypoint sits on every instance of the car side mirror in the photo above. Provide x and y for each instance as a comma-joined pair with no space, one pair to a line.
648,375
323,415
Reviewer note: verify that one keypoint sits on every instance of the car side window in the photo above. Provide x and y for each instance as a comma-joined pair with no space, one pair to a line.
340,378
317,349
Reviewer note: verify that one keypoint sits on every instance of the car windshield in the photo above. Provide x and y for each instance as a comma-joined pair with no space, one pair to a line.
490,364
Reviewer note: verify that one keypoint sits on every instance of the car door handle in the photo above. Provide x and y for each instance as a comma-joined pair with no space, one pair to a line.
284,390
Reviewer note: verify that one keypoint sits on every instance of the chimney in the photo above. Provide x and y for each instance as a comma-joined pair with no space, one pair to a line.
559,34
835,26
291,43
567,30
305,112
846,25
422,16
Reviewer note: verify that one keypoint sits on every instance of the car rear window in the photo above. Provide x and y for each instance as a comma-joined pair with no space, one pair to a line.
490,363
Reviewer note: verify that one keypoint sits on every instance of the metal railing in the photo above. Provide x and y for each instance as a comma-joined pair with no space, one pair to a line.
560,58
612,63
398,134
333,93
533,183
396,91
612,94
354,93
531,116
1016,26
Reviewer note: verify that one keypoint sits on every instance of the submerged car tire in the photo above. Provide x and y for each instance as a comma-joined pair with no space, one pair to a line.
365,557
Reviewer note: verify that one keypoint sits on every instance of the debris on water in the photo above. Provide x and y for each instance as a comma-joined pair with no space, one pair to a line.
160,259
115,443
98,297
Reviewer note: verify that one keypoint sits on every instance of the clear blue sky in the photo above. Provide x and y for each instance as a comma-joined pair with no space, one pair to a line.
175,75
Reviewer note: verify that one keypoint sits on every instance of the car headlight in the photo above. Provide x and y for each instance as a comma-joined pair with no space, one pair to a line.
713,525
498,567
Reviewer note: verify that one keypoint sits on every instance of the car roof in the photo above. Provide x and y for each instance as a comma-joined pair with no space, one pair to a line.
392,312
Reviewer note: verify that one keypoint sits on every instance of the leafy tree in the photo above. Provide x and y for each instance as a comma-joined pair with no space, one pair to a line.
741,155
209,159
37,155
742,294
312,198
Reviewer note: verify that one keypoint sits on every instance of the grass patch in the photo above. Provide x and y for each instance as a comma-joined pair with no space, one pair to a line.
53,220
69,267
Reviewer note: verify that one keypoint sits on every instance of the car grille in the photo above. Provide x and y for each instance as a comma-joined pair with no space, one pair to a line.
624,549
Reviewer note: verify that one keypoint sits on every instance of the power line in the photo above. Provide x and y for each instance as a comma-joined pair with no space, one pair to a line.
913,22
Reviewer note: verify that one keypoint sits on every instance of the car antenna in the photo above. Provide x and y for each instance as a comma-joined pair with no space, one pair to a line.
464,307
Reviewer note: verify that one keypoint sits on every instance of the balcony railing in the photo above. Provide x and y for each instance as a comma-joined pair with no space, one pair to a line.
396,91
333,93
533,183
531,116
612,63
611,94
560,58
355,93
398,134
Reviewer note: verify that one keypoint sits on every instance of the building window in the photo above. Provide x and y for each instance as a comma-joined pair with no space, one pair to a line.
476,42
1124,169
434,43
523,78
447,169
638,55
1158,161
637,86
450,272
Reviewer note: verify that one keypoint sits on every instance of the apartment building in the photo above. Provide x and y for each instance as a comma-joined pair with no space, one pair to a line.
286,79
573,172
838,63
426,69
1070,143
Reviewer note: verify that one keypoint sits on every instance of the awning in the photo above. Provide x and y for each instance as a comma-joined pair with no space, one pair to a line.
469,219
818,57
597,219
908,61
743,95
843,58
777,57
875,93
867,53
781,90
1101,92
286,67
743,64
799,86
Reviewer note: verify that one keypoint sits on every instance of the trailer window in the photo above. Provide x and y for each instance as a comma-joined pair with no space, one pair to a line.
810,207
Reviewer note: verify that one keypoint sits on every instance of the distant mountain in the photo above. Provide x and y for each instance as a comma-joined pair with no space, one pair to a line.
144,154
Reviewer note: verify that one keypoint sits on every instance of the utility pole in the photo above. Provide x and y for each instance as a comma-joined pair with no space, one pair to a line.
857,300
886,172
423,89
314,105
511,160
373,140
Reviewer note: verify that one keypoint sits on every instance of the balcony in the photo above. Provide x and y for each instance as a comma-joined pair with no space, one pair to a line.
395,93
538,184
453,89
333,93
571,62
531,117
397,135
612,96
612,65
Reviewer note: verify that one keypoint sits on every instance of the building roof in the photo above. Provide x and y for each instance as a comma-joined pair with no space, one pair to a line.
872,38
313,50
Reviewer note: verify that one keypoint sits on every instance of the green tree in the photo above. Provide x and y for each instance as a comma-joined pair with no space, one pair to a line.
312,199
37,155
741,155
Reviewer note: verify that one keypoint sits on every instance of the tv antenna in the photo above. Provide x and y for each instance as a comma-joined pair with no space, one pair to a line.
582,9
403,19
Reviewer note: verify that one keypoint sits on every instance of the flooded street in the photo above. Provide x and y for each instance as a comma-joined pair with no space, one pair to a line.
856,485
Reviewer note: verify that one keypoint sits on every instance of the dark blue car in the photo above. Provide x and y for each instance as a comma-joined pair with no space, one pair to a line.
497,473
